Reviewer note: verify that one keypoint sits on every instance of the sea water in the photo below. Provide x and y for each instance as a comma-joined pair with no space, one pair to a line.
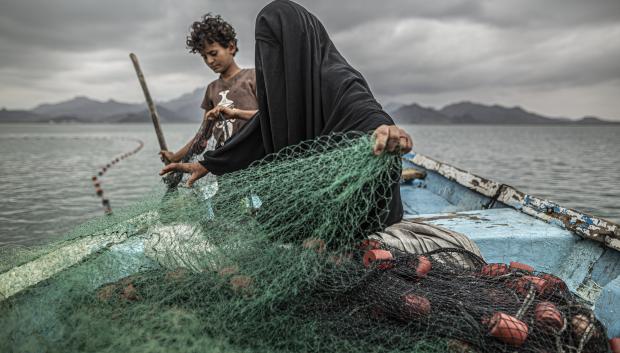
46,187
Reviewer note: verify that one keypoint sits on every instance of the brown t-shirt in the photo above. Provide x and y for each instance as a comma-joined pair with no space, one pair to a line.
238,92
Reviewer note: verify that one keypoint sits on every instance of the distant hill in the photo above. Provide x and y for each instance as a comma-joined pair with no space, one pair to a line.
19,116
416,114
187,105
86,109
476,113
496,114
391,107
144,116
186,109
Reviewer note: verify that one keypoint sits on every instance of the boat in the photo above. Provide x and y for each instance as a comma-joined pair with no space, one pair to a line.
505,223
509,225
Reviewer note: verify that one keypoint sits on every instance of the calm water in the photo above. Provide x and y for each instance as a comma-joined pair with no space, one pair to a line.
46,188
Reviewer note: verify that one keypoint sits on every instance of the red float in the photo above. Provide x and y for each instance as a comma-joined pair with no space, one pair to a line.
378,255
416,305
423,267
548,316
494,270
614,344
521,266
508,329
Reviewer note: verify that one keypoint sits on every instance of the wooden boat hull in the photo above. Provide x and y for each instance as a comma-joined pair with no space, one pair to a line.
509,225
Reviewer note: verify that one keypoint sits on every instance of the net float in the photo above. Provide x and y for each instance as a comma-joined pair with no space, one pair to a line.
227,271
339,259
106,292
423,267
96,184
494,270
130,292
316,244
177,274
579,324
508,329
522,284
94,177
554,284
107,165
548,316
241,283
99,191
416,305
521,266
369,244
378,255
100,173
614,344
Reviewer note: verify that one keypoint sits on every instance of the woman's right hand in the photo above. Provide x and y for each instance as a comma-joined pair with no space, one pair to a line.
196,171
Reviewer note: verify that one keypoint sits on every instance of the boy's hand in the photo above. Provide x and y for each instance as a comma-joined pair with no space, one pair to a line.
167,156
229,113
197,170
390,138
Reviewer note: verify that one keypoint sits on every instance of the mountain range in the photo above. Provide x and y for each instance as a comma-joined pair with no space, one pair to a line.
186,109
476,113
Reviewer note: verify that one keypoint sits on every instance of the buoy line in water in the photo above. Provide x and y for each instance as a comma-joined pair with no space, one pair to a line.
97,177
105,202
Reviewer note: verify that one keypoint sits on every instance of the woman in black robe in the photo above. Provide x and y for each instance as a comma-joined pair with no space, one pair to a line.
305,89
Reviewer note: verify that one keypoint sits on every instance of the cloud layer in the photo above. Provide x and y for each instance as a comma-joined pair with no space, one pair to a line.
557,57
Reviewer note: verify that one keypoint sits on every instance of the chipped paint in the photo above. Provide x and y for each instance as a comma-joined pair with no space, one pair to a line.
481,185
450,216
580,223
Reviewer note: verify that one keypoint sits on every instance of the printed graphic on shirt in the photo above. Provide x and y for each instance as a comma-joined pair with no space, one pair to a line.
225,125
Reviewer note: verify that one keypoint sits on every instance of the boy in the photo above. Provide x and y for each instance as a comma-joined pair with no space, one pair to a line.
232,96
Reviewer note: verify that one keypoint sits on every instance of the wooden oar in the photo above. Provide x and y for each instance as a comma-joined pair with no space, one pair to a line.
151,105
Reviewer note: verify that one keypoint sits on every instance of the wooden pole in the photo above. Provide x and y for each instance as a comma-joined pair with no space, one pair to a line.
149,102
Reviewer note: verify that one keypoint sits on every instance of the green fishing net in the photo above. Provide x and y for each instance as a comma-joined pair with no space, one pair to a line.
276,258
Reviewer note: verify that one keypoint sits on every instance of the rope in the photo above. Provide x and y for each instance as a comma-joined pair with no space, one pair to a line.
105,202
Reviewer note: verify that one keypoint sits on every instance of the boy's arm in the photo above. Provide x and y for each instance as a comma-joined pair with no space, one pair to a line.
242,114
169,156
230,113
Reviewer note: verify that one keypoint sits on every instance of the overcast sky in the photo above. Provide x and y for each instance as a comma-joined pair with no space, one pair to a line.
554,57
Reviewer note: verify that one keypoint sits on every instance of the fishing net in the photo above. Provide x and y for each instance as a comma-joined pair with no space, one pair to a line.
278,258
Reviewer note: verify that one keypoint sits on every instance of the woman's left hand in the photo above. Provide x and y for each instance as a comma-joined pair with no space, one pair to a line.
391,138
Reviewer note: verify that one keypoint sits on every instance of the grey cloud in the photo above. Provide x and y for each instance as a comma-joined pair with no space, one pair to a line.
405,48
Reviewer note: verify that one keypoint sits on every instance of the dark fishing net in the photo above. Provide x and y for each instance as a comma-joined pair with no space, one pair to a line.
276,258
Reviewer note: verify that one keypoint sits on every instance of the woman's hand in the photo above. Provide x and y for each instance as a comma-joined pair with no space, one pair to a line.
391,138
197,171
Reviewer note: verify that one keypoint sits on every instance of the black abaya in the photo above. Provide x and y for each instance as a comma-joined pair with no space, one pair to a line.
305,89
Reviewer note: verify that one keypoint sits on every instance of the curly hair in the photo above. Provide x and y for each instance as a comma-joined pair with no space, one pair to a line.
210,30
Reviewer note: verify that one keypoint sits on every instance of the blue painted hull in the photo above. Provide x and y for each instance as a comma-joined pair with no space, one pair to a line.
510,226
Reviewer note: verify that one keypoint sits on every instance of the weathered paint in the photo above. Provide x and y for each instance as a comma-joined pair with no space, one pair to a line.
582,224
607,308
579,248
481,185
505,235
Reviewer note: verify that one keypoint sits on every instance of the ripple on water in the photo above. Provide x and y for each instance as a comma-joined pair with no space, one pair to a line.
47,190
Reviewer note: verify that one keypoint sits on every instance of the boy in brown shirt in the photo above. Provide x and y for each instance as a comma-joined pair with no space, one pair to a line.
231,99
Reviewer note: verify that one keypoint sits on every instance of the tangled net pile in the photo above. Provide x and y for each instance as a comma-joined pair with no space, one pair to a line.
275,258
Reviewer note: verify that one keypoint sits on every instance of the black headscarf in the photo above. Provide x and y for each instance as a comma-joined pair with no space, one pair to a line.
305,89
